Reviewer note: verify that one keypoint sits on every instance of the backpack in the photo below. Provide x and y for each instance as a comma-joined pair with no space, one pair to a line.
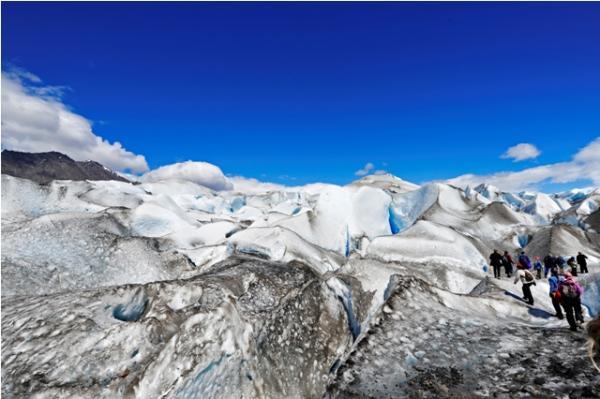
528,276
525,261
568,291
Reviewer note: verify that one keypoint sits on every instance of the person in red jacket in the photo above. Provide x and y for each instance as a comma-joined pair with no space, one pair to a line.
508,264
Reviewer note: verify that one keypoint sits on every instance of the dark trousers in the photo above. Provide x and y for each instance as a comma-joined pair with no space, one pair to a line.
572,307
508,269
584,269
557,308
546,270
496,271
527,293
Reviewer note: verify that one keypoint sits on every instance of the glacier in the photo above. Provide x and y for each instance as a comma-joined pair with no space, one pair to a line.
379,288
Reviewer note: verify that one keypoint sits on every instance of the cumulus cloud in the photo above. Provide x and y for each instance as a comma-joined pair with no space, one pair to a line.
251,185
203,173
34,119
584,165
521,152
365,170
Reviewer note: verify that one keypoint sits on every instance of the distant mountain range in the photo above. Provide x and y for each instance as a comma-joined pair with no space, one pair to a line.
43,167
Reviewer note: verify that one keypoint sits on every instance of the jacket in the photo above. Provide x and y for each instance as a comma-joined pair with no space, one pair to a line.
549,262
496,259
581,259
554,282
525,261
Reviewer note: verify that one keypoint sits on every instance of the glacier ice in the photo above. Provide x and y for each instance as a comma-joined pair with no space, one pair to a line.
133,308
170,289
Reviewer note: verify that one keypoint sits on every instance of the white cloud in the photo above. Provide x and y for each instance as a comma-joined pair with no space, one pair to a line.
16,73
202,173
590,153
521,152
585,165
365,170
251,185
34,119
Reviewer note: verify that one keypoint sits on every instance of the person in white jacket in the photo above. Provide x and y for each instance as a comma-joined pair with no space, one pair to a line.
527,279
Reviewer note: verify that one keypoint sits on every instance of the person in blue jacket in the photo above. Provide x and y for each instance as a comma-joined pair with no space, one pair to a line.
554,282
537,266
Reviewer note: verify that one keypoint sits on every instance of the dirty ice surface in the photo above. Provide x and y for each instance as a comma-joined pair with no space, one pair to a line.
380,288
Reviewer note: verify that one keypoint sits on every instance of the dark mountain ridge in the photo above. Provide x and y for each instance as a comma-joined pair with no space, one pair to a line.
43,167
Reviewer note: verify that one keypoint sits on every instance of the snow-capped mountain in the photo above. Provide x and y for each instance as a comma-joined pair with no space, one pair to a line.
570,207
378,288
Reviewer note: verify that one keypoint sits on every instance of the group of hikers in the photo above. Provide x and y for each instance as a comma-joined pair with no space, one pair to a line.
565,291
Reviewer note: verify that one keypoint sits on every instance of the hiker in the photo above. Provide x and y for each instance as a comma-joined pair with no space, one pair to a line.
572,266
549,263
554,282
570,298
524,260
560,262
508,264
496,262
527,280
582,260
537,266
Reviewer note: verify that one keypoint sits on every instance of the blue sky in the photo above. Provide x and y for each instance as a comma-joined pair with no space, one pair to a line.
303,92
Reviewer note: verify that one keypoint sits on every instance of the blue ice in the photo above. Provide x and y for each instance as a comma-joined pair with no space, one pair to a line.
395,222
237,203
523,240
132,310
